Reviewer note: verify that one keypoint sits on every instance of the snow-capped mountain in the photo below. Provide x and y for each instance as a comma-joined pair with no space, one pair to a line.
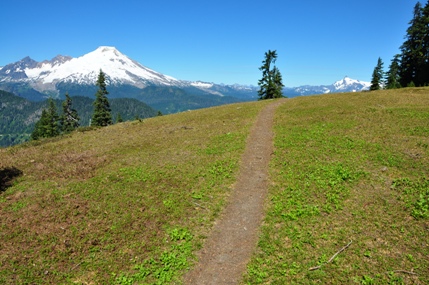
344,85
84,70
127,78
351,85
51,77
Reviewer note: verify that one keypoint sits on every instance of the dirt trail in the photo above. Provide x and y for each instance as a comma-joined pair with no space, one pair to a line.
228,249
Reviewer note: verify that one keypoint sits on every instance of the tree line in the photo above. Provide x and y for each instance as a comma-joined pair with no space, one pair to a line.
410,67
51,124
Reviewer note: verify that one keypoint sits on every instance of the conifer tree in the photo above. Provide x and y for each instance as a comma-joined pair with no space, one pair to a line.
119,118
102,113
47,126
424,75
392,76
271,83
39,128
69,120
377,76
413,49
52,128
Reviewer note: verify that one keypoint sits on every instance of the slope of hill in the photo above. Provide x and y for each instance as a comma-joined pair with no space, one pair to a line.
132,202
18,115
349,199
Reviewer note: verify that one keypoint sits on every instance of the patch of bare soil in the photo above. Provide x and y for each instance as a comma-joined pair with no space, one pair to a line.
228,249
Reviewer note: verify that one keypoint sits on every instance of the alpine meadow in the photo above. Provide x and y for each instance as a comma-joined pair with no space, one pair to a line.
114,173
134,208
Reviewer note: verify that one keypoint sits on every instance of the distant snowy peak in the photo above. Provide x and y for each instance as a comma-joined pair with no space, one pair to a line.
351,85
200,84
58,60
16,71
344,85
85,69
48,76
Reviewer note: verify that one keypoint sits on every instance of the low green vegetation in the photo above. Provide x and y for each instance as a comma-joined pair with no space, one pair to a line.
348,168
124,204
131,203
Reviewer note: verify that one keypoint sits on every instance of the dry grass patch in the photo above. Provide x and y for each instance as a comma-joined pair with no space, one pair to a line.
101,206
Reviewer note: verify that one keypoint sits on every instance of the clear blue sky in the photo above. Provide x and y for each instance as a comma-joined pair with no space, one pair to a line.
223,41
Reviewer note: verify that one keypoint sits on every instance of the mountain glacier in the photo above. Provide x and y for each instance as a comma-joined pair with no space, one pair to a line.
350,85
85,69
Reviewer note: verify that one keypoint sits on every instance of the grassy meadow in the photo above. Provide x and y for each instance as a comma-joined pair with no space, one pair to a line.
131,203
348,169
125,204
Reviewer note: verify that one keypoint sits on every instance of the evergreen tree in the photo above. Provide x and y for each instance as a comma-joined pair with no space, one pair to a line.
119,118
47,126
278,82
424,72
69,119
52,128
413,52
102,112
377,76
39,128
392,76
271,83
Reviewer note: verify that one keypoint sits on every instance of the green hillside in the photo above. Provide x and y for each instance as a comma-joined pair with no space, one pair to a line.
18,115
348,168
132,202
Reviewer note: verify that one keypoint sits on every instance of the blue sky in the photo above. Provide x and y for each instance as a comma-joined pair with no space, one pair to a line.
317,42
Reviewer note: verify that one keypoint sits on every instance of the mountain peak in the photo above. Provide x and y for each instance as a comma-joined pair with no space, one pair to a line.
58,60
348,83
119,69
16,71
108,50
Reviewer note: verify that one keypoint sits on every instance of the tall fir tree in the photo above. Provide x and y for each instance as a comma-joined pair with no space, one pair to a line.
271,83
48,124
69,120
377,76
392,75
425,67
119,118
102,113
413,50
39,127
52,128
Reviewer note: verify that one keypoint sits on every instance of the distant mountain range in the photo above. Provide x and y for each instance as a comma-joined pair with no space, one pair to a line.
344,85
127,78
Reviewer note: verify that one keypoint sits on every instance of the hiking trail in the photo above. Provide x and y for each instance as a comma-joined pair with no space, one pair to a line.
234,236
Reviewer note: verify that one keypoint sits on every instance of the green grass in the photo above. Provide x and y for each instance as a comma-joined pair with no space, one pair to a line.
348,167
131,203
126,204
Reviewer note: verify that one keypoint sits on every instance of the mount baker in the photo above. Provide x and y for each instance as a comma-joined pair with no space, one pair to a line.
127,78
